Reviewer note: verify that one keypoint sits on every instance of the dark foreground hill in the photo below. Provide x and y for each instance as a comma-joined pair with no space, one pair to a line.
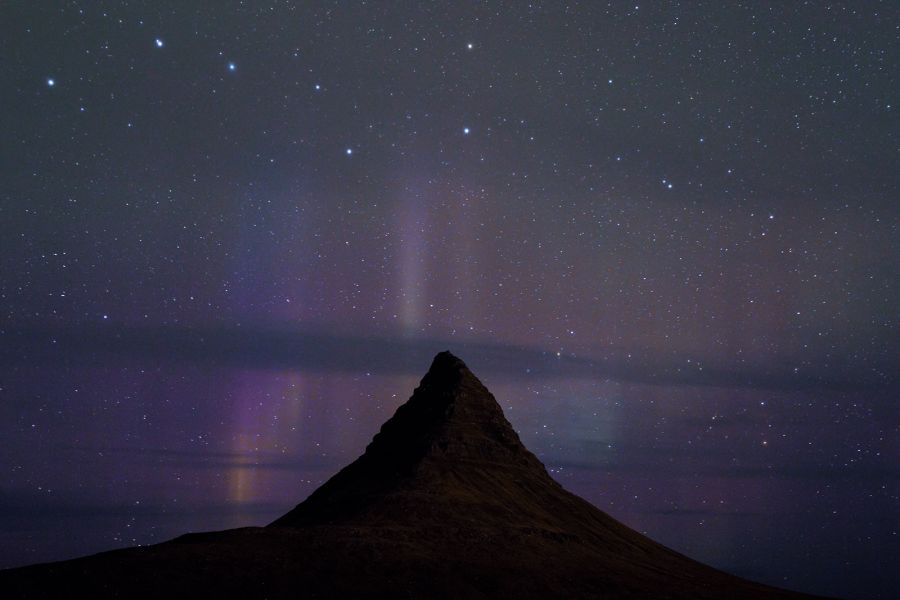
445,502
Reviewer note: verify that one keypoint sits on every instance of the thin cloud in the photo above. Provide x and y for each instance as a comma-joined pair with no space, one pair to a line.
104,346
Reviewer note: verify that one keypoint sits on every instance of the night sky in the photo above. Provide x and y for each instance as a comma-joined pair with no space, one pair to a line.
665,235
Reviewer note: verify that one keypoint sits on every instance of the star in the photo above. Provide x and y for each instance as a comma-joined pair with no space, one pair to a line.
232,66
349,151
466,130
470,45
51,82
159,43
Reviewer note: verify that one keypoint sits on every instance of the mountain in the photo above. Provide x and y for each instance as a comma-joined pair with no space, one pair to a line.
445,502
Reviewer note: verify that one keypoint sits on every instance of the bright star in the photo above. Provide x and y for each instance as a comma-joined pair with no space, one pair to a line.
232,66
159,43
470,45
466,131
349,151
318,87
51,82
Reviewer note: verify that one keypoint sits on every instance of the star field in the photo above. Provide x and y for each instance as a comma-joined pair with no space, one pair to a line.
663,233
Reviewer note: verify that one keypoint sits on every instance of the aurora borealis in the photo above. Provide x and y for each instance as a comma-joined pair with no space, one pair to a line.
664,234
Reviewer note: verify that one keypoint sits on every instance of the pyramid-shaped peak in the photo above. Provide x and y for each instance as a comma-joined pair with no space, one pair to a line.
450,428
447,372
446,361
448,412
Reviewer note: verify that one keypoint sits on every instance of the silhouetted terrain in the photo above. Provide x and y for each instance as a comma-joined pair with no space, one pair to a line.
445,502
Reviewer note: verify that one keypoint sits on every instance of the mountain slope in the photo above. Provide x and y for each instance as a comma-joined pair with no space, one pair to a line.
445,502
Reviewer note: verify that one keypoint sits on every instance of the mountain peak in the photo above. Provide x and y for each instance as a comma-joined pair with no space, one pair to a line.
448,381
447,371
449,412
445,364
451,428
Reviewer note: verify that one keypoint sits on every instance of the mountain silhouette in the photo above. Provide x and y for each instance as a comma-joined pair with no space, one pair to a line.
446,502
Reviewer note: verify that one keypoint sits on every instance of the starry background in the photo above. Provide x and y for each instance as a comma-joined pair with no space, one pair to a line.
663,234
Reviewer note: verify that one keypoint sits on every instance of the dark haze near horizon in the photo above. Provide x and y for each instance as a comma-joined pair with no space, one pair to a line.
663,234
